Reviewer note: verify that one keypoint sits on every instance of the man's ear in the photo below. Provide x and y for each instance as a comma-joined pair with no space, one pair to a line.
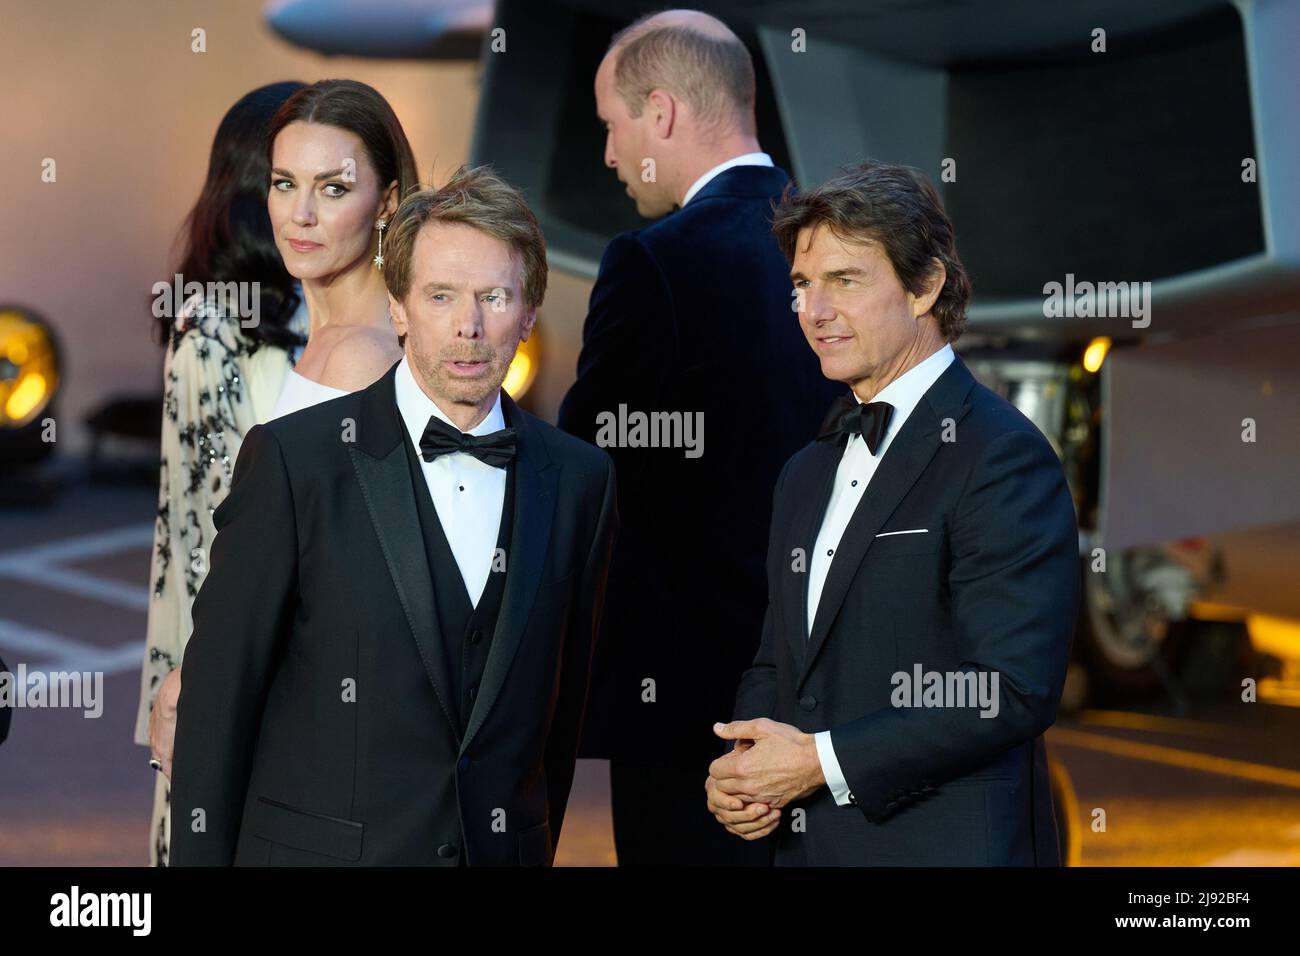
664,106
924,302
398,314
530,319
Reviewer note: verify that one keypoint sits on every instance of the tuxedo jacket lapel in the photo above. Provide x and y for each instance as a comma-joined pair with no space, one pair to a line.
807,521
379,460
382,470
904,460
536,480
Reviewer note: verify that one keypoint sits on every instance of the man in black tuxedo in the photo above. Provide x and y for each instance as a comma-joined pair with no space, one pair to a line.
391,650
691,315
922,571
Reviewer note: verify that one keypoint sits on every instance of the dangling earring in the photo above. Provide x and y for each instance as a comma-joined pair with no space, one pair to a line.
381,225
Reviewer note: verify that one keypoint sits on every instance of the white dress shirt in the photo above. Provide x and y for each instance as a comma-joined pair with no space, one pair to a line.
467,494
856,468
748,159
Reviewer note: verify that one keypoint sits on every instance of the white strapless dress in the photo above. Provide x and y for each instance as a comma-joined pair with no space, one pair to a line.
300,392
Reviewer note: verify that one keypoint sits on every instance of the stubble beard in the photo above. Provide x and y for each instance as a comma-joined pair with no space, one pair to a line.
462,390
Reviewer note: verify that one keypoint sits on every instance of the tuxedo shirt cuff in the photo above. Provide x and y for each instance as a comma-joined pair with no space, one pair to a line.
831,769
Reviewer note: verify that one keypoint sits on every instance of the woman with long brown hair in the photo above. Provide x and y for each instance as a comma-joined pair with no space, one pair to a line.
340,164
319,173
221,375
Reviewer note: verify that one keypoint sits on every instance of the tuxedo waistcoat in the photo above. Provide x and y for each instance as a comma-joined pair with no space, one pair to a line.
466,629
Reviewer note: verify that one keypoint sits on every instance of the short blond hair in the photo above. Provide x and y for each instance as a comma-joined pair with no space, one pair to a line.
711,71
478,197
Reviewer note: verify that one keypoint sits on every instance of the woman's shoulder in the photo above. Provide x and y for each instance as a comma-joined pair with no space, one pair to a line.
358,355
210,354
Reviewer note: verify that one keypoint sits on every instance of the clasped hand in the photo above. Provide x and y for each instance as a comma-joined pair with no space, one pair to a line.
772,765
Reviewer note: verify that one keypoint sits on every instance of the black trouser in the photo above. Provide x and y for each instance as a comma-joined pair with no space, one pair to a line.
661,818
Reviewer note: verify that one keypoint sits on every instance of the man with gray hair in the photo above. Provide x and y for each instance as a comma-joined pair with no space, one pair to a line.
391,650
689,316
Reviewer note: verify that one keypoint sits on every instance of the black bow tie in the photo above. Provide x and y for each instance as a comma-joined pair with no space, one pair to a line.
850,417
439,438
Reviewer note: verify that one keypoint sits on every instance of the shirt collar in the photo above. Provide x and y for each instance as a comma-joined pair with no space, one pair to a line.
906,391
748,159
416,407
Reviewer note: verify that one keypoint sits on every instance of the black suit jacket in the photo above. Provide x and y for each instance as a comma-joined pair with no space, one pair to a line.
692,314
314,723
991,585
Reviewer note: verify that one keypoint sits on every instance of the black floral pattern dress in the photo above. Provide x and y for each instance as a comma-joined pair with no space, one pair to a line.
217,384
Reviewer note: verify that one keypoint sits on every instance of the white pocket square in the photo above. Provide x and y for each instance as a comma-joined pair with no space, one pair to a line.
886,534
